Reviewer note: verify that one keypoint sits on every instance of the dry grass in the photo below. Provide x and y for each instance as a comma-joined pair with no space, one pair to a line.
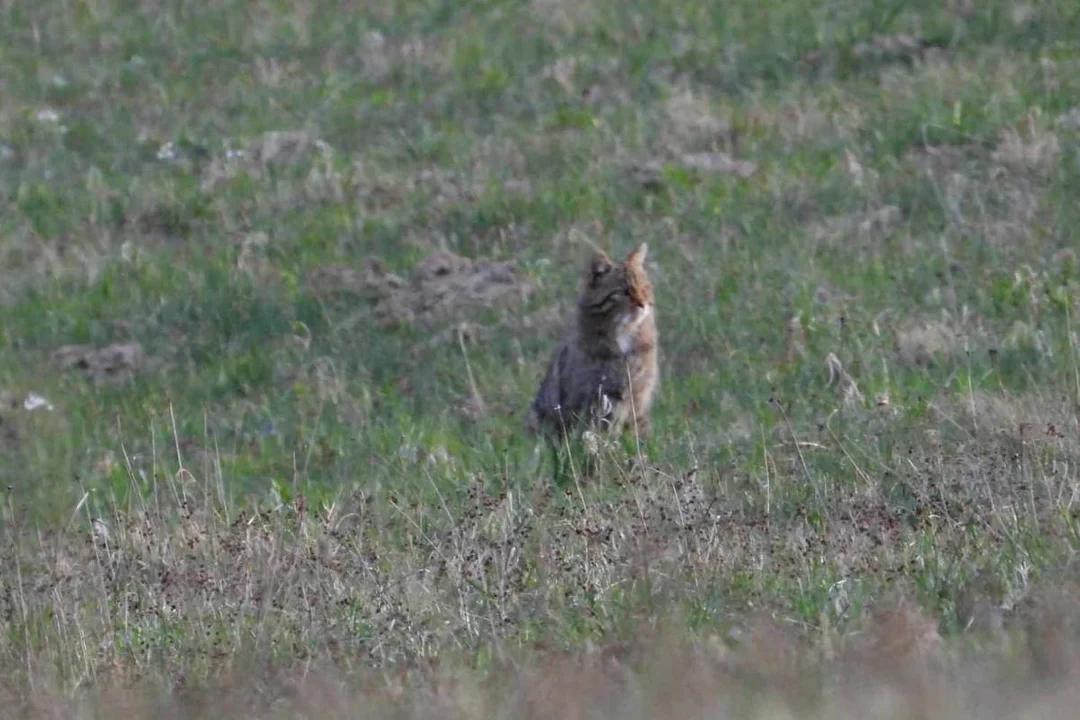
174,591
898,668
296,279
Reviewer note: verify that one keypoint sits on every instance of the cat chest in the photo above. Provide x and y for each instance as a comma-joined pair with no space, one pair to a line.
628,329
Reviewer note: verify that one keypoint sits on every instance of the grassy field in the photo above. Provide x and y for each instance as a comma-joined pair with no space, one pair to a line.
278,280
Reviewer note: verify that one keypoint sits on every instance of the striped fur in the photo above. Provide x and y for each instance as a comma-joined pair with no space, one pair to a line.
605,371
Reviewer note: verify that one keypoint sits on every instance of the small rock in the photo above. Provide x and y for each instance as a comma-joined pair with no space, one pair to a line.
47,115
443,286
34,401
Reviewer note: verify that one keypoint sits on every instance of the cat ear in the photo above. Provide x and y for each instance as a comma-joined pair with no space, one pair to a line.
599,266
637,257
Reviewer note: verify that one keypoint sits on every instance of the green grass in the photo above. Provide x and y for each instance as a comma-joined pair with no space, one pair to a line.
916,211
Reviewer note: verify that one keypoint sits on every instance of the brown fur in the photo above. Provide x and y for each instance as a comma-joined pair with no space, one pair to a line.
605,370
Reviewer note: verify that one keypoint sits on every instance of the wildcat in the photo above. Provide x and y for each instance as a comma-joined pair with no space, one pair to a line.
605,370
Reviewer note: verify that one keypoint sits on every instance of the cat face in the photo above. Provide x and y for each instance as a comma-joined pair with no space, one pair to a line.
619,293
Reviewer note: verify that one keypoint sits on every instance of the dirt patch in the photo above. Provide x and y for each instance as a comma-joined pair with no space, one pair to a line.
442,287
113,363
650,173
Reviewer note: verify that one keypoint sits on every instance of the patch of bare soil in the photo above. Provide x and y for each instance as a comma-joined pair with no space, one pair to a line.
442,287
650,173
113,363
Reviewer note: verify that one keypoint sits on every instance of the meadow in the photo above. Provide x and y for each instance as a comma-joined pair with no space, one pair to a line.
278,281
